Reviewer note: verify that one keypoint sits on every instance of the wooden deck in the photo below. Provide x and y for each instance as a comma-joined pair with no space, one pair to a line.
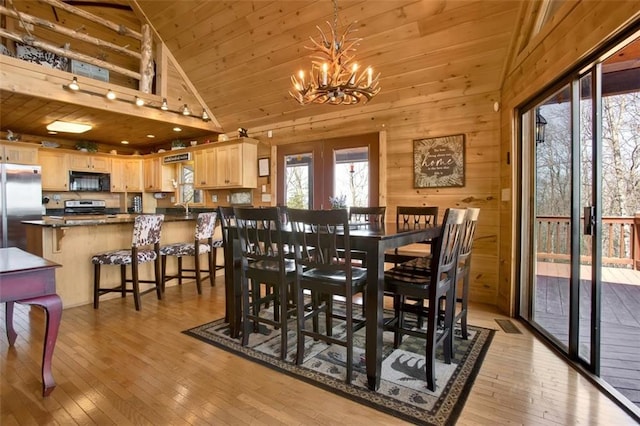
620,320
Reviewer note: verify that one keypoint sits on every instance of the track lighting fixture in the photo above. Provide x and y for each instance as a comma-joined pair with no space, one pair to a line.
185,110
74,84
164,105
111,95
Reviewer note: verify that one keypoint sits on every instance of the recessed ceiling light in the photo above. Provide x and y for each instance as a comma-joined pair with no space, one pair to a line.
51,132
177,129
68,127
151,136
124,142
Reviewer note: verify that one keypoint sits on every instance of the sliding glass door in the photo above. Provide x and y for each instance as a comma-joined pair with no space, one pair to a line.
580,254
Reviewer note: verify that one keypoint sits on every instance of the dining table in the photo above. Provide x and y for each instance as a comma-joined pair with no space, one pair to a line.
29,279
372,239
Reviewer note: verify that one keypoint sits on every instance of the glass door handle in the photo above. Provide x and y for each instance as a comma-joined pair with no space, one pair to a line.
589,219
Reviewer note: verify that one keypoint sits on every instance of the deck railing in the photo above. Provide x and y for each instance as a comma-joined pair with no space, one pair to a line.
620,240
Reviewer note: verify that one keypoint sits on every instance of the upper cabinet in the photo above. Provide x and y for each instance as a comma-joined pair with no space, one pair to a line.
231,164
126,175
55,170
158,177
89,163
204,168
18,153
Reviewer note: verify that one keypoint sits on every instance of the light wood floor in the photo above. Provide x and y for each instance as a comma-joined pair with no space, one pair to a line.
119,366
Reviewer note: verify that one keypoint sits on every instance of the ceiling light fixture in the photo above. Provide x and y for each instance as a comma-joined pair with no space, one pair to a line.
334,77
139,101
205,116
111,95
74,84
124,142
68,127
164,105
185,110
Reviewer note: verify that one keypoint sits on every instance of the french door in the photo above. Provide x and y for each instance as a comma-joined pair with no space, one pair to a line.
344,170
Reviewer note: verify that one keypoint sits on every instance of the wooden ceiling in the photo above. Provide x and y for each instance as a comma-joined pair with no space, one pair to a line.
239,56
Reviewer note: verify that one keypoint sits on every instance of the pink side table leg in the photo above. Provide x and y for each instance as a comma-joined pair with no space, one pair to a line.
11,333
52,305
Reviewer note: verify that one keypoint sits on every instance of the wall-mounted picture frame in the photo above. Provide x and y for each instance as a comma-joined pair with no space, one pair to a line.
263,166
439,162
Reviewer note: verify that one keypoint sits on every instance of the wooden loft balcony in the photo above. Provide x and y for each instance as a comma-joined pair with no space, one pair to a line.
135,65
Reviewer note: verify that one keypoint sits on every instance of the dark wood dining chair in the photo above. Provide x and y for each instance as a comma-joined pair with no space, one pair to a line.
264,262
431,279
202,244
464,269
368,215
410,217
324,268
145,247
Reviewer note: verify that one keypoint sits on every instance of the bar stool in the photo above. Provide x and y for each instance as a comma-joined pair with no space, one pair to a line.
202,243
146,233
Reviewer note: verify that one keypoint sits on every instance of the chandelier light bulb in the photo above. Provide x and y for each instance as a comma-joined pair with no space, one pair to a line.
111,95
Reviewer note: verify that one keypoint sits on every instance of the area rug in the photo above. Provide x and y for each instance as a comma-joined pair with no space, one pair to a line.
403,389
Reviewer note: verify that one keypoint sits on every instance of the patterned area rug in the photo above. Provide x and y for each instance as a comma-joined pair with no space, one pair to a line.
403,391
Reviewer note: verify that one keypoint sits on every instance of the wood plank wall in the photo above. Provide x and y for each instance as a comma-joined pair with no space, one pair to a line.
576,30
471,115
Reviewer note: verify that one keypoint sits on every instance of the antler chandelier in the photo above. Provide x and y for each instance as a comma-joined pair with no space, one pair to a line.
334,77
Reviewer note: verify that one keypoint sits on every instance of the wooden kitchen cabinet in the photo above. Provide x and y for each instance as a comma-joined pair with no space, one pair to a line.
18,153
89,163
237,164
204,168
126,175
55,170
158,177
231,164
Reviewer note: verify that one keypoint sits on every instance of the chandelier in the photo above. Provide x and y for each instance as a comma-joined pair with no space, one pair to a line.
335,78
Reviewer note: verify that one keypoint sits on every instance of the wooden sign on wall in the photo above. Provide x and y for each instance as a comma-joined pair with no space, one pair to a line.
438,162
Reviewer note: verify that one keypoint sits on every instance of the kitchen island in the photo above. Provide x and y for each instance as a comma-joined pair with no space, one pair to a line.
72,241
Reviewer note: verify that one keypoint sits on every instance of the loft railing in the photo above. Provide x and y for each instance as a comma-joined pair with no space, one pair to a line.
620,240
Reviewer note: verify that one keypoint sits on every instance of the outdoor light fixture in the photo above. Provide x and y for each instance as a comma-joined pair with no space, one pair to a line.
334,78
74,84
68,127
541,124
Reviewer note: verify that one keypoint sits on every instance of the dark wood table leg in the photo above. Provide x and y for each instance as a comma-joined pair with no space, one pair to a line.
52,305
374,315
11,333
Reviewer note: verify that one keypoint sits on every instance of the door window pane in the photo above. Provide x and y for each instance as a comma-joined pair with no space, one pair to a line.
351,176
298,180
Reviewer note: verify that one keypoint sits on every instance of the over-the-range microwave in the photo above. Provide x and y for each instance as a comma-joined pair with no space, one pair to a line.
89,181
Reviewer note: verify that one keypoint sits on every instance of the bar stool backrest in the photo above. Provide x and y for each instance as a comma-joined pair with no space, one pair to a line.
205,224
147,229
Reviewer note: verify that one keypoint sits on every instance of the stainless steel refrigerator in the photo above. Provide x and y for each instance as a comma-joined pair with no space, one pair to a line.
20,199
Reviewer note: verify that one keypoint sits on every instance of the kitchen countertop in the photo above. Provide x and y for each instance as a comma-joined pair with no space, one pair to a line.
67,221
